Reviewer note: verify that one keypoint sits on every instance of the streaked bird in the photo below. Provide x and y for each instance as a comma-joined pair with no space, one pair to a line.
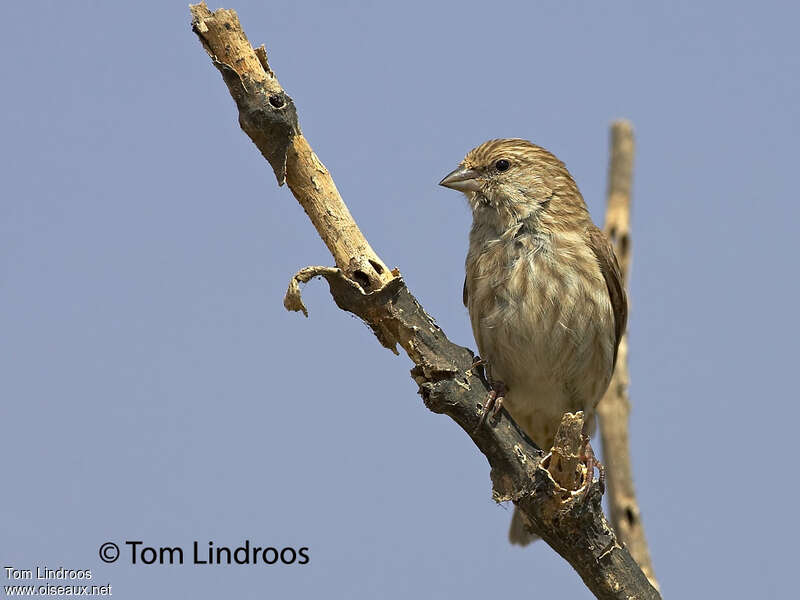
543,289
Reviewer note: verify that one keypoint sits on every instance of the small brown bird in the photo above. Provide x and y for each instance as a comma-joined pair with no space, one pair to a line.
543,289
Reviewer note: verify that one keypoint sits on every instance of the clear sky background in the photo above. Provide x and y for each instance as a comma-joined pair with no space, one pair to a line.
154,388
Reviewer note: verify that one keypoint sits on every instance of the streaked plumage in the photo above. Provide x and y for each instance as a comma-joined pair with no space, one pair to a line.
543,287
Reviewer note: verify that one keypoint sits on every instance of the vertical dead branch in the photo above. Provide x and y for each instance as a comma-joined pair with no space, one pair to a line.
614,409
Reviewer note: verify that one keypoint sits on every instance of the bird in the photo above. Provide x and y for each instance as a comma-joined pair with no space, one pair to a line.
543,289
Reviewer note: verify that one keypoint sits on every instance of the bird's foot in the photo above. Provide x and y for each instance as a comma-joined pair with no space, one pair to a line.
479,363
590,460
494,402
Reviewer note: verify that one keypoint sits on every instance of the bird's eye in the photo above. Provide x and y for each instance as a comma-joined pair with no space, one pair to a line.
502,165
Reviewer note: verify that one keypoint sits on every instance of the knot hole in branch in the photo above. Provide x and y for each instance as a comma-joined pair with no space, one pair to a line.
277,100
362,279
375,265
366,272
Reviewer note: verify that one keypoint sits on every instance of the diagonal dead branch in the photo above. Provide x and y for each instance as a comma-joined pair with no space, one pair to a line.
267,114
570,521
575,528
614,409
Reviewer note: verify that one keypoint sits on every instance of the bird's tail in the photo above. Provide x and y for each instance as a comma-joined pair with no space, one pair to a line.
519,533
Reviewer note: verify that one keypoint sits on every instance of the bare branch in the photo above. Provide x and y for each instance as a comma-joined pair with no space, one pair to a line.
614,409
569,520
267,114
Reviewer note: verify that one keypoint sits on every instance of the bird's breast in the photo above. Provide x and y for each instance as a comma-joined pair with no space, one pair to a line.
542,317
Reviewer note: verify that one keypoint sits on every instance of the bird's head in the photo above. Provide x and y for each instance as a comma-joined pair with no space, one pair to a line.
513,178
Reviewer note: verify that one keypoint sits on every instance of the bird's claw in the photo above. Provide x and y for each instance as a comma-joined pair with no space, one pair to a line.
590,460
494,403
478,362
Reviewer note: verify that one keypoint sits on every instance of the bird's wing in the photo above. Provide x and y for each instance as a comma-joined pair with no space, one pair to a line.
464,294
609,266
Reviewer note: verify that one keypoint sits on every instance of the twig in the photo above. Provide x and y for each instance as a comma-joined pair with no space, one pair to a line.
614,409
571,521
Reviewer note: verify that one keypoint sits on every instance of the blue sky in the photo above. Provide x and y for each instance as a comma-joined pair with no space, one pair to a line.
153,387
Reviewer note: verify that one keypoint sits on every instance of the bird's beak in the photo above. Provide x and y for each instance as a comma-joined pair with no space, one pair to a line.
462,179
